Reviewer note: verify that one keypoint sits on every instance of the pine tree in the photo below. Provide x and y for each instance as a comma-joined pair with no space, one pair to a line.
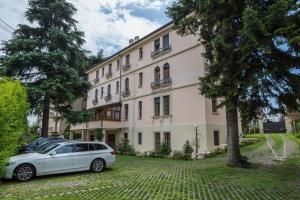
48,57
246,63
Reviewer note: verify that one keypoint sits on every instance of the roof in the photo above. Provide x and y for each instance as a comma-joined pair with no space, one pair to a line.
133,44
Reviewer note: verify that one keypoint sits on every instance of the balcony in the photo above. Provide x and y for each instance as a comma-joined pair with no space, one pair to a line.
125,93
96,80
108,75
95,101
162,83
107,98
159,52
126,67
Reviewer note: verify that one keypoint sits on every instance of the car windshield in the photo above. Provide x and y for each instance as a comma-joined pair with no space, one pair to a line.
37,142
47,148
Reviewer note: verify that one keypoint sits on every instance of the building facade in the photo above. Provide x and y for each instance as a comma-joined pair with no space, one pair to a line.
148,93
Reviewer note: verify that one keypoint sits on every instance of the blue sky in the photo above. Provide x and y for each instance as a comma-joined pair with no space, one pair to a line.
108,24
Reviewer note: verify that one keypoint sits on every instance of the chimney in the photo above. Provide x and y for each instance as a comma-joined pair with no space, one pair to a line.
136,38
131,41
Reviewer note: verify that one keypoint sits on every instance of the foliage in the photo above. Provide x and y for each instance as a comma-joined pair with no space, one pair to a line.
254,130
247,63
163,151
30,135
47,55
96,59
187,150
99,134
178,155
67,131
13,112
125,148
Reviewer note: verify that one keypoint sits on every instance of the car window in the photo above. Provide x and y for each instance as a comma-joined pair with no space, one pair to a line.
48,149
69,148
97,147
82,147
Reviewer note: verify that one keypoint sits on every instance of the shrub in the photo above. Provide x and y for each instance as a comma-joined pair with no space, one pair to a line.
13,112
177,155
163,151
99,135
187,150
125,148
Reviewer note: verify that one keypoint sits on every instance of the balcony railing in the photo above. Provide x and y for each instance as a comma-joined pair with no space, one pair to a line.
96,80
158,52
161,83
125,93
108,75
126,67
95,101
107,98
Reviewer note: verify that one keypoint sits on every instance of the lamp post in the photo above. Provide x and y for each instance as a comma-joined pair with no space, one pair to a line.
197,145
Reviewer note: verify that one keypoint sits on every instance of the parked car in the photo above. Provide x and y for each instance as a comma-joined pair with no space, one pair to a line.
34,145
71,156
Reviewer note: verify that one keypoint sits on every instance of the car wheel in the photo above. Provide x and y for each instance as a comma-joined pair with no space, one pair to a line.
24,172
98,165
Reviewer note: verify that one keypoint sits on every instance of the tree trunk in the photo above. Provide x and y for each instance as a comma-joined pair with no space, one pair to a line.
232,136
45,120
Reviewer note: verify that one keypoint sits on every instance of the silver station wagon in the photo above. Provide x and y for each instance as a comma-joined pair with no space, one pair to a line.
71,156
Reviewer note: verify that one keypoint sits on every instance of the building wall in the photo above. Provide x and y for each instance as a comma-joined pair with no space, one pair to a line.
187,107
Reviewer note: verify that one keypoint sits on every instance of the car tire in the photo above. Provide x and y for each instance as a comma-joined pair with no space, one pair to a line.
98,165
24,172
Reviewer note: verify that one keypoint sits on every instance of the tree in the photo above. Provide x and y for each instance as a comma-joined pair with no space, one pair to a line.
47,56
96,59
246,63
13,112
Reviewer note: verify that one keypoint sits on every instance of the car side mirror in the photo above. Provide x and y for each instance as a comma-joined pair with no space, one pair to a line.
52,153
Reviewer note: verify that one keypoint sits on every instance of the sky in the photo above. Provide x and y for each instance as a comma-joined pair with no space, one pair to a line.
108,24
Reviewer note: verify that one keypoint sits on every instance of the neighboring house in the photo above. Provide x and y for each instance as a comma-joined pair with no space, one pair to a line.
148,93
56,123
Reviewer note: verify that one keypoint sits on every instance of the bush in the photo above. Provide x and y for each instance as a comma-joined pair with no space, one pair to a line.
125,148
177,155
163,151
187,150
13,113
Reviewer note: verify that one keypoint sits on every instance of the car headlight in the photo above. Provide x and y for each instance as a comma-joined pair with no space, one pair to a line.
10,163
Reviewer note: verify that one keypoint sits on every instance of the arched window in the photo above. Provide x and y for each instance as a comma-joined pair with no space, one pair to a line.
96,94
166,71
109,90
127,84
157,74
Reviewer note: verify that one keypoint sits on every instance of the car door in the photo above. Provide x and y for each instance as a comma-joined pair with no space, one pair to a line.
61,161
82,158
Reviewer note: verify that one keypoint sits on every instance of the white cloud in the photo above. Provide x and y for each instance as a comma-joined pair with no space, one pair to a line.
107,24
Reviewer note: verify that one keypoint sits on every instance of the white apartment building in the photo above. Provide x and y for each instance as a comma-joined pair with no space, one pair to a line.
148,93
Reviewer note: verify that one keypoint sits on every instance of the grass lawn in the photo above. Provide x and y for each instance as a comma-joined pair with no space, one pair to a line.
154,178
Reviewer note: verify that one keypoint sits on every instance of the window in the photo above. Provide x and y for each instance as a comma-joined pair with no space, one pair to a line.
141,53
216,138
140,109
96,94
127,60
156,106
102,71
65,149
97,74
96,147
139,138
157,74
127,84
214,105
118,65
125,135
81,147
166,71
166,42
157,45
167,139
166,105
109,90
157,140
126,111
102,92
109,68
117,87
141,79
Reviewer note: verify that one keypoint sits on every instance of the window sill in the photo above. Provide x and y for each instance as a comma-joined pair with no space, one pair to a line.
166,116
140,86
215,113
155,117
140,118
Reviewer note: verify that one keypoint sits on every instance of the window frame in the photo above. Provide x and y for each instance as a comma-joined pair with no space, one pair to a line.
126,111
141,79
166,109
156,106
141,53
140,139
216,134
140,110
